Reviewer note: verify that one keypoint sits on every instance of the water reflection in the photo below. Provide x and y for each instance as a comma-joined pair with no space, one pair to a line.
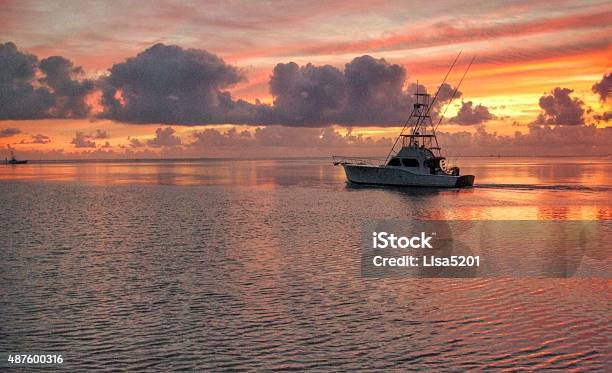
404,191
521,172
505,188
254,265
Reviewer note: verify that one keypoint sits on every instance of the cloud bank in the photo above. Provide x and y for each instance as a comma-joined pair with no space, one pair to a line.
280,141
172,85
277,136
369,91
167,84
538,140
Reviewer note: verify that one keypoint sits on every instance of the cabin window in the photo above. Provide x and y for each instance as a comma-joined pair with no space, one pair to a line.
410,162
394,162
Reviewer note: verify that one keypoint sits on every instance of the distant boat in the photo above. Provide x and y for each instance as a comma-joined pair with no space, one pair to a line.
14,160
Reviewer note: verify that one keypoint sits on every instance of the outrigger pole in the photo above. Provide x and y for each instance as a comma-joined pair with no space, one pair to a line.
438,91
454,93
432,102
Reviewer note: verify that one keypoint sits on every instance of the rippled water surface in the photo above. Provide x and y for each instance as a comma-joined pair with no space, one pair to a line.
255,265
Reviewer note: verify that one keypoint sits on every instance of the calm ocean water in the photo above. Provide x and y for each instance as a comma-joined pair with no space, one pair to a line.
225,264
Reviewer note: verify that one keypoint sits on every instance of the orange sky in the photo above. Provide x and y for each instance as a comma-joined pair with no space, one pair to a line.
524,50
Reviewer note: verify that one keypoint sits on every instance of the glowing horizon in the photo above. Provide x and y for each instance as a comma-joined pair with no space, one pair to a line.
525,50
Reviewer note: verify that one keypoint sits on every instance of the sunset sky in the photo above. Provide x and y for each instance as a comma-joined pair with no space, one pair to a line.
208,78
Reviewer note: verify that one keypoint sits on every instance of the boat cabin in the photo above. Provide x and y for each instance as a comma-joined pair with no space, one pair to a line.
418,160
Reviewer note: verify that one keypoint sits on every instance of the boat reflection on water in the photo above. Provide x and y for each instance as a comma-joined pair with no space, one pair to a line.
400,190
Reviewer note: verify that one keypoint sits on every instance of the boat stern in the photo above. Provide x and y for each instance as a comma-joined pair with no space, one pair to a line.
465,181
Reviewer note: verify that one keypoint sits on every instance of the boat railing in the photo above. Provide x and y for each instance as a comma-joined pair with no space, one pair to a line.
374,161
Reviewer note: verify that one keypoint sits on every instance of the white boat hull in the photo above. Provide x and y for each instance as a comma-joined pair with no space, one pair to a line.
398,176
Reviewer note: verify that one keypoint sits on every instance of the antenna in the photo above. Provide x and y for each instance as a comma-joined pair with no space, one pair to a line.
439,87
454,93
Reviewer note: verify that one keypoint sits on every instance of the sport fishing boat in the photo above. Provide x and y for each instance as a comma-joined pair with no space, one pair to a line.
418,162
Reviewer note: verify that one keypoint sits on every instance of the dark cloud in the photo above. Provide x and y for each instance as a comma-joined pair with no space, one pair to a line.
164,137
445,95
37,139
169,84
368,92
33,90
375,90
469,114
69,94
82,140
313,95
19,99
561,109
8,132
602,88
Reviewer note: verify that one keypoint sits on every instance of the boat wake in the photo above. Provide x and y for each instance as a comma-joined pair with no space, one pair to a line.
592,188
